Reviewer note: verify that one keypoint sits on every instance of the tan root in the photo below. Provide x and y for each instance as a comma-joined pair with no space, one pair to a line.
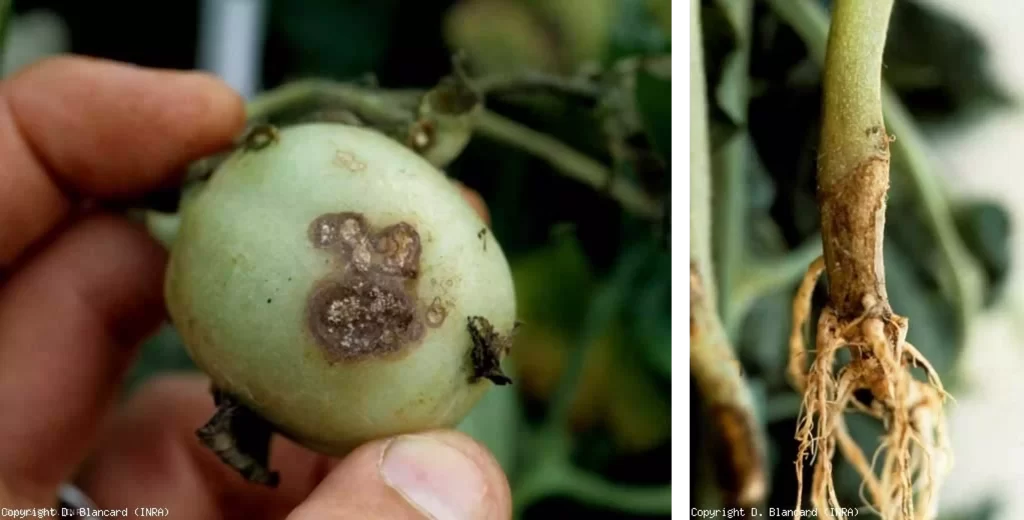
914,450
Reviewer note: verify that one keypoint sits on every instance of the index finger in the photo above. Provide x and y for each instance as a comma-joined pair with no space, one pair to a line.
81,127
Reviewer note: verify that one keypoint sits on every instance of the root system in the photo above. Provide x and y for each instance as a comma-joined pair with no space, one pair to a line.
914,452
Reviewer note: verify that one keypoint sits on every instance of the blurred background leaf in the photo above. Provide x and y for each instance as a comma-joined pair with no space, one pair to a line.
940,67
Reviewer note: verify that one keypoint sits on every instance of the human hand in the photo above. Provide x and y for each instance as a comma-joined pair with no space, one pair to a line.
81,288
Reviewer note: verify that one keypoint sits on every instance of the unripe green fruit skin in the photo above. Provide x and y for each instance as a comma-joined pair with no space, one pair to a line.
243,267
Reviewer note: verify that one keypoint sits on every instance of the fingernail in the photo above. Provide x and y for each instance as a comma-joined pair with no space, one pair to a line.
437,479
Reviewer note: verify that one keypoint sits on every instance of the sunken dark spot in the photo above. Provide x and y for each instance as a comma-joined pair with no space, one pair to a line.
399,250
363,316
269,300
368,307
336,228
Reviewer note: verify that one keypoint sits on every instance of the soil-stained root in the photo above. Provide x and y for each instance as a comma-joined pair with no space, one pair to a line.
915,452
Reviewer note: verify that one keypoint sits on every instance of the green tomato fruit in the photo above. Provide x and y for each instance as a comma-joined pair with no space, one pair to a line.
338,285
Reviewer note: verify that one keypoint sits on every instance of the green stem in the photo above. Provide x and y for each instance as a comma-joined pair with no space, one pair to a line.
524,81
910,156
398,108
371,103
569,161
731,167
852,87
700,161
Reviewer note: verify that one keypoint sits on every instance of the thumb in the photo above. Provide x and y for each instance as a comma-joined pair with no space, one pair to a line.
439,475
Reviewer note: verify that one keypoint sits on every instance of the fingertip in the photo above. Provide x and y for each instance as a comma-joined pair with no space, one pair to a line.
79,309
220,107
439,474
108,129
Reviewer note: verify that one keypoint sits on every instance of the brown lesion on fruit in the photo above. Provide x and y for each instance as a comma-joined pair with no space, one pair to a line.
349,161
330,229
489,348
370,306
399,249
436,313
240,438
360,316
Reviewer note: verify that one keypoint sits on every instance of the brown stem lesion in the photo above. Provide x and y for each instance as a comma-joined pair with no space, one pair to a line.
853,182
739,446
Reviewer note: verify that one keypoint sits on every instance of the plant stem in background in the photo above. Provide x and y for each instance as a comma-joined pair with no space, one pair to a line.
569,161
713,363
731,167
524,81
